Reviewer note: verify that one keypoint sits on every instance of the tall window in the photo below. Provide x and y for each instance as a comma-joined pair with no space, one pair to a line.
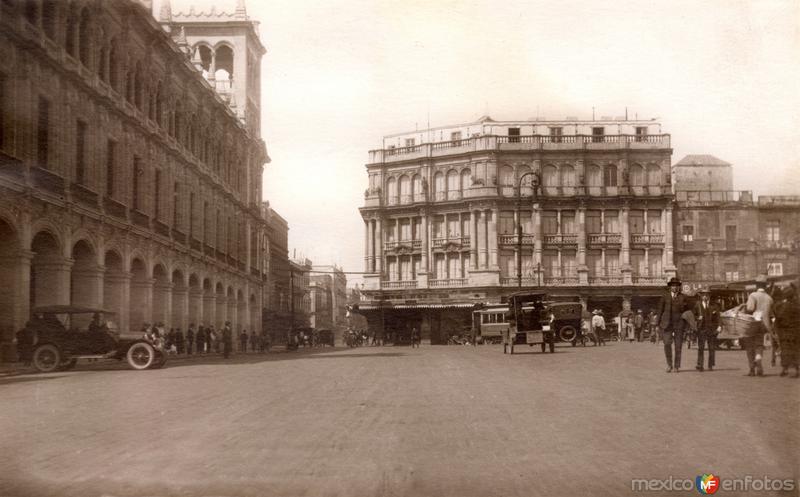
175,205
43,133
556,133
773,231
610,175
80,152
191,214
110,161
641,133
157,193
597,134
611,221
689,271
3,104
137,171
731,271
206,222
688,233
455,136
568,222
636,221
593,222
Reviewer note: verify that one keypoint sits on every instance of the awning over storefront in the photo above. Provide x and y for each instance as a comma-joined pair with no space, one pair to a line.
388,306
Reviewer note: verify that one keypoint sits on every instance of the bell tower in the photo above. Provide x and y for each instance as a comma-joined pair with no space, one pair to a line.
226,47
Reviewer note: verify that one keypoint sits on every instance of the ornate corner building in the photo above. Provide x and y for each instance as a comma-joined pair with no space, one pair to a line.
469,213
131,163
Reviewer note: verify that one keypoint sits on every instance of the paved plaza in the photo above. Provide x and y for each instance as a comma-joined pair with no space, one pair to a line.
396,421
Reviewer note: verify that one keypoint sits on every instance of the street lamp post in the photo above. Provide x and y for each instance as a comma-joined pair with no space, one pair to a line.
534,185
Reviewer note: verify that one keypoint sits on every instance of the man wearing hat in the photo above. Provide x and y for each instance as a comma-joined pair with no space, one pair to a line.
598,323
638,324
707,319
670,322
759,304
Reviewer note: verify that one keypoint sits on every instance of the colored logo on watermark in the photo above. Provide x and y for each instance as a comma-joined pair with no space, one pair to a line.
707,484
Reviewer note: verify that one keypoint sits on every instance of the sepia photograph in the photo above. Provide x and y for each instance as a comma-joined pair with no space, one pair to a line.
382,248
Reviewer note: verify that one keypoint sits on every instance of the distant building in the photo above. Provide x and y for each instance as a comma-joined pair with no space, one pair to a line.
724,235
321,302
441,225
301,307
702,172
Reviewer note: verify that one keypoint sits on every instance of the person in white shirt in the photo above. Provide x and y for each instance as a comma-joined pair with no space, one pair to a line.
598,323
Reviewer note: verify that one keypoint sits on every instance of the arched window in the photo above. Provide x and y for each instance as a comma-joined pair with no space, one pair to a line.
506,177
416,188
593,177
391,189
113,65
439,186
452,185
549,179
567,175
637,175
102,63
71,35
49,18
653,175
405,190
610,175
85,42
465,180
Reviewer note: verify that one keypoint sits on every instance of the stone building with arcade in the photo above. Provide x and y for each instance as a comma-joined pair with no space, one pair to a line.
442,226
130,176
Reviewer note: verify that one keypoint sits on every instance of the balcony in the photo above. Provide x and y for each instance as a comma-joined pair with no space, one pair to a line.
604,238
512,239
406,199
561,239
512,281
161,228
140,219
647,238
402,245
398,285
46,180
570,280
448,283
601,280
779,201
646,280
419,197
454,243
393,200
114,208
84,195
529,142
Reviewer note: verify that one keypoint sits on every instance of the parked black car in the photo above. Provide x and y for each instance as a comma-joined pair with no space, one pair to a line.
62,334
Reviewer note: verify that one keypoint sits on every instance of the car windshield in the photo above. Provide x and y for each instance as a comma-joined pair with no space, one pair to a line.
76,320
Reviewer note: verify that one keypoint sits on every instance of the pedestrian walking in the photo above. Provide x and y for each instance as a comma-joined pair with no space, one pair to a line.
787,325
597,327
414,337
227,339
200,337
670,323
243,342
638,324
509,335
253,341
25,344
267,340
629,331
707,319
190,339
652,323
759,304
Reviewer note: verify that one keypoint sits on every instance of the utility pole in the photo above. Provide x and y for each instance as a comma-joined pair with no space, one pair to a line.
534,185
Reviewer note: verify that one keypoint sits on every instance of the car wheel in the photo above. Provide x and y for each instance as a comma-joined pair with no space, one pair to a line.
141,355
567,334
46,358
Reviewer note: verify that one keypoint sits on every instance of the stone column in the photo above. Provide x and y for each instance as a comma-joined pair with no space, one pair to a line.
473,240
140,303
483,253
583,270
397,231
52,281
180,309
492,239
537,234
87,287
378,247
195,308
625,252
209,310
424,243
367,245
15,271
162,304
669,268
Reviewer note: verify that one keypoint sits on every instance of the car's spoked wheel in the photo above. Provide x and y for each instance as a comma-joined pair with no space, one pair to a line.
46,358
141,355
567,334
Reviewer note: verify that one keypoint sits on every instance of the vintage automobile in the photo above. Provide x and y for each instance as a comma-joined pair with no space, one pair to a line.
541,322
63,334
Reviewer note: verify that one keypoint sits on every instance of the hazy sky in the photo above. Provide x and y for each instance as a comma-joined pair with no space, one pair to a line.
722,76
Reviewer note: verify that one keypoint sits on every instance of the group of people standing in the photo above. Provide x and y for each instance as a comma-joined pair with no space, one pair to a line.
780,322
205,339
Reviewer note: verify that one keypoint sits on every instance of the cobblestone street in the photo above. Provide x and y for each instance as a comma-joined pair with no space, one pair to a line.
455,421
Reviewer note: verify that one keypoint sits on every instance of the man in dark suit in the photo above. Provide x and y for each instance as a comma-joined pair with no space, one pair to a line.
707,317
671,324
